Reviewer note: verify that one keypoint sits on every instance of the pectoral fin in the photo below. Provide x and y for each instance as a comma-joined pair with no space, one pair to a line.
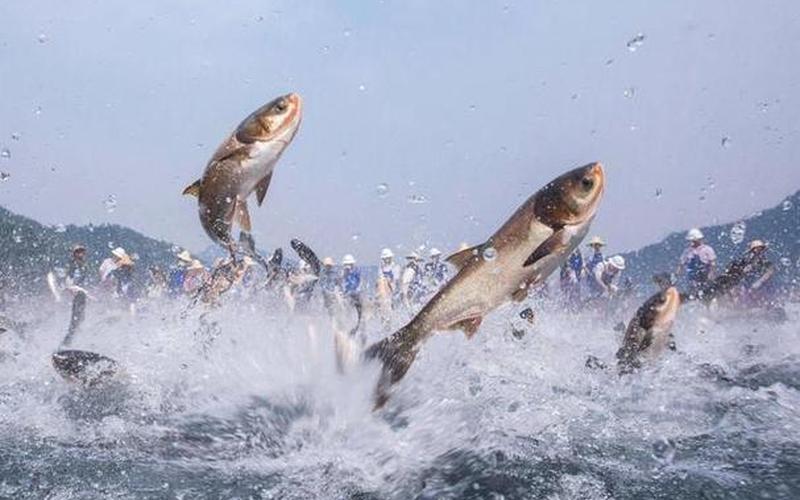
242,215
193,189
261,188
556,242
469,326
463,257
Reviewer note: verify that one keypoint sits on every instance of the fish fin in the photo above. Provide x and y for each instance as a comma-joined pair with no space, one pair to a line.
307,255
549,246
396,353
463,257
261,188
193,189
277,257
243,215
520,294
469,326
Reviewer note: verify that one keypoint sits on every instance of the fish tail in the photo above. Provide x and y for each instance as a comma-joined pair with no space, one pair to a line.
396,354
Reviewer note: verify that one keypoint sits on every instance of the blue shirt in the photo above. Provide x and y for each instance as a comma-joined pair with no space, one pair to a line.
352,281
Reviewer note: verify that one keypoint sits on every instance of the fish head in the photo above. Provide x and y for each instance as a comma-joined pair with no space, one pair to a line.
572,198
660,310
278,120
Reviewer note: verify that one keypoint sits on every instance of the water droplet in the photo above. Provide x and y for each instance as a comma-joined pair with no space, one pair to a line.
725,141
4,176
17,238
786,261
347,32
473,107
634,127
574,96
362,87
635,42
737,232
382,189
629,92
60,228
5,153
42,38
659,192
15,136
37,110
489,254
110,203
326,49
664,450
786,205
355,236
111,245
417,199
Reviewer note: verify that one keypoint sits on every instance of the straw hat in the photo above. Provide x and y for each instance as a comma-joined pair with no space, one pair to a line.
757,244
328,261
196,264
185,256
617,261
694,234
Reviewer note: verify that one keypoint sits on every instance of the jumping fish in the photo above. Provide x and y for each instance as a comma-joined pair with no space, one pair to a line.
242,164
523,252
648,333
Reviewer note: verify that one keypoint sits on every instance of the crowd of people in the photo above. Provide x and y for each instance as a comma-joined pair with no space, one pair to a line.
586,281
596,279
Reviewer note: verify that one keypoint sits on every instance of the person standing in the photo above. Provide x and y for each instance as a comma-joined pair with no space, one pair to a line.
698,261
435,271
571,274
77,273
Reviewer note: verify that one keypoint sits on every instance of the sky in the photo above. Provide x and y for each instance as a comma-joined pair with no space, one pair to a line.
425,123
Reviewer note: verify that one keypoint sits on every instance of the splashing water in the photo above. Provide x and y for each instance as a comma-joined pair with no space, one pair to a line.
260,411
636,42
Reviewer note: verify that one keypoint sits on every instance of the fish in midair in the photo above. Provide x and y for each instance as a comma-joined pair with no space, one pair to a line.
522,253
242,164
648,333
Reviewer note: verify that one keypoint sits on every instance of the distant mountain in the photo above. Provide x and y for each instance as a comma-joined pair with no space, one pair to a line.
779,226
28,250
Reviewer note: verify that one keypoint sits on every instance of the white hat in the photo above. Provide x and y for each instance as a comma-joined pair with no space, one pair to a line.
185,256
387,253
596,240
434,252
348,260
119,253
757,244
196,264
327,261
694,234
412,255
617,261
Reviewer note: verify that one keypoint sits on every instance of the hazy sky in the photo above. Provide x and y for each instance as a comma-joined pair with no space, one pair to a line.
471,105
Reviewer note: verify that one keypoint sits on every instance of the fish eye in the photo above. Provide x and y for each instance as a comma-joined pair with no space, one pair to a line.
587,183
281,105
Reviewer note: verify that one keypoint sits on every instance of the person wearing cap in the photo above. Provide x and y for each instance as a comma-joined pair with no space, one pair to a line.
607,276
390,269
699,261
411,280
123,275
435,270
597,258
177,274
756,286
76,280
351,277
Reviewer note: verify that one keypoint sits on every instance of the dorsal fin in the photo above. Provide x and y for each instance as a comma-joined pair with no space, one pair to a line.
261,188
463,257
193,189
